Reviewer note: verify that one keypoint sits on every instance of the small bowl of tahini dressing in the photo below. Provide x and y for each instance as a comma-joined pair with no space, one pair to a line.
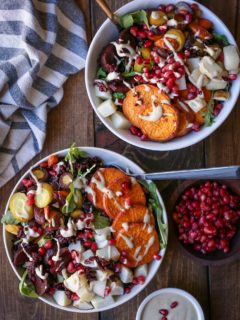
170,304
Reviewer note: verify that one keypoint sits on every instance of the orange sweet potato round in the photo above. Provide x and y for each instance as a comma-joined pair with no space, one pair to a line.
139,214
186,119
140,243
141,104
127,192
103,177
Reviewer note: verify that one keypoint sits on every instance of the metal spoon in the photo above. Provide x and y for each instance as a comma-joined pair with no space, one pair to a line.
105,7
231,172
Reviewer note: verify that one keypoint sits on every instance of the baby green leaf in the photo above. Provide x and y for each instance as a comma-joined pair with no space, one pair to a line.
25,288
100,221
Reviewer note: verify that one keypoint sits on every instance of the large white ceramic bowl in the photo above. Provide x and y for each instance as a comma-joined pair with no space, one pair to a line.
108,158
107,33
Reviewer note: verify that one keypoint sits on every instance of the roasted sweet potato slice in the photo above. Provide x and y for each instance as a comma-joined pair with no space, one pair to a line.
186,119
126,192
101,179
140,243
199,116
146,101
140,214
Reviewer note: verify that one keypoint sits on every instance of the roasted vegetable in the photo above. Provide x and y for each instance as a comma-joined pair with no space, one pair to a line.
65,180
19,207
44,195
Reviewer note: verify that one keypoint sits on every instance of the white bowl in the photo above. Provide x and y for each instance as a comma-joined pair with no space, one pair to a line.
107,33
180,292
108,158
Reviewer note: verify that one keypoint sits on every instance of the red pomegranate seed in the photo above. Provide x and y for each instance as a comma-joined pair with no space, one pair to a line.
127,290
135,280
107,291
71,267
27,183
157,257
94,247
112,242
144,137
74,297
164,312
42,251
169,8
142,34
48,244
50,262
170,83
174,304
51,291
232,77
148,44
141,279
74,254
188,17
87,243
44,164
134,31
124,253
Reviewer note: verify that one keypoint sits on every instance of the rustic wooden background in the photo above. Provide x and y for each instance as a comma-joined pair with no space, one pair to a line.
216,288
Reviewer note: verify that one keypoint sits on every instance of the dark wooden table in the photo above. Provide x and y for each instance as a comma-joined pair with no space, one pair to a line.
216,288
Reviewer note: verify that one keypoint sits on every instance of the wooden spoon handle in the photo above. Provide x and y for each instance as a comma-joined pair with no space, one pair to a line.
105,7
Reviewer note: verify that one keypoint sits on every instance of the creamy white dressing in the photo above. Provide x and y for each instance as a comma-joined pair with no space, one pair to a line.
80,224
29,233
146,87
183,105
184,310
162,87
57,256
156,112
119,193
150,228
146,218
58,166
39,272
125,226
127,240
100,184
127,85
120,48
26,253
39,184
148,245
112,76
71,229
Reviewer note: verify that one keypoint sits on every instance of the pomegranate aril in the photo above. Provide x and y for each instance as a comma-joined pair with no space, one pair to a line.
127,290
148,44
74,297
134,31
71,267
27,183
157,257
87,243
112,242
164,312
174,304
42,251
48,244
232,77
94,247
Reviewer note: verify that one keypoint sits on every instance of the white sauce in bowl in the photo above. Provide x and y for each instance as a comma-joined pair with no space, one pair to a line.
184,310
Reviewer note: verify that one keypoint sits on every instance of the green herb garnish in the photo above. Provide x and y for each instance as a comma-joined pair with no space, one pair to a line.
70,204
221,39
73,155
84,174
138,17
129,74
119,95
157,210
43,240
209,114
101,73
100,221
26,288
9,219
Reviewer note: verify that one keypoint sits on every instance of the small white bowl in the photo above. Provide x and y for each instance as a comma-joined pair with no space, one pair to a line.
179,292
107,33
109,158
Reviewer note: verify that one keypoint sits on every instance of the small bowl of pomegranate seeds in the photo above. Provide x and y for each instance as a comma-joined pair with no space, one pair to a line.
170,303
167,78
207,219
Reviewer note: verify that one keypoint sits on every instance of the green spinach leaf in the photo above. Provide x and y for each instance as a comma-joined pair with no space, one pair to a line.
73,155
137,17
25,288
101,73
221,39
100,221
119,95
129,74
70,204
157,210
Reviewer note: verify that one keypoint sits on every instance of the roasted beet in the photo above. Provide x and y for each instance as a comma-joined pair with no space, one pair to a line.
126,37
65,180
65,259
39,215
49,253
183,7
108,58
40,285
19,256
117,86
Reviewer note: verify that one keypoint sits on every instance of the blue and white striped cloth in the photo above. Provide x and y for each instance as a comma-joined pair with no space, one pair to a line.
42,42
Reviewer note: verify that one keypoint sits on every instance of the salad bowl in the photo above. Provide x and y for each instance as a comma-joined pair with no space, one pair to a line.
108,158
108,33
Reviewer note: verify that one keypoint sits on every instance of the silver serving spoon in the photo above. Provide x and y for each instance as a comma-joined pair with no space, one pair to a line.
231,172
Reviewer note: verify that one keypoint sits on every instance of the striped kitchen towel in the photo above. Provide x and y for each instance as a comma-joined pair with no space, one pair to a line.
42,42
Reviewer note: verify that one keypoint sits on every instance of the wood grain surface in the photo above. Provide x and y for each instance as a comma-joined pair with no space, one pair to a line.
216,288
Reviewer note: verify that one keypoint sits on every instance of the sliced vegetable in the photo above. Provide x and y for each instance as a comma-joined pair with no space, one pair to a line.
107,108
9,219
19,208
120,121
137,17
65,180
40,173
178,36
231,58
158,18
12,228
200,32
44,195
52,160
76,214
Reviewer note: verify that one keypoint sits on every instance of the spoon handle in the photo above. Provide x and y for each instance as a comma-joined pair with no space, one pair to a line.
106,9
231,172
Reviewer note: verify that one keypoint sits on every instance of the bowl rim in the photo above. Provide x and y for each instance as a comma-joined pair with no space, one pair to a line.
201,259
118,158
176,143
181,292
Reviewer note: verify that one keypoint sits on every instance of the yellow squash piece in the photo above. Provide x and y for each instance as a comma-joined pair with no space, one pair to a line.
44,195
78,199
19,207
76,214
178,36
157,18
12,228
